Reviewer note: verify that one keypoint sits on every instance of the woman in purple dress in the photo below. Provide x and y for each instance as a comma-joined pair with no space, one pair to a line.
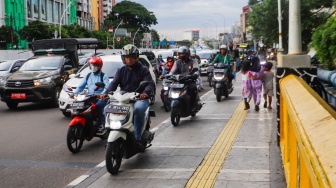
256,74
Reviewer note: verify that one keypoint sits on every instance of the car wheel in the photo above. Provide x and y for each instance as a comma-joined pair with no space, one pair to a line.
12,105
66,114
56,96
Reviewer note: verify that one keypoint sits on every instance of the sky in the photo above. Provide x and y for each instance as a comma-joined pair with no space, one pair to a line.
207,16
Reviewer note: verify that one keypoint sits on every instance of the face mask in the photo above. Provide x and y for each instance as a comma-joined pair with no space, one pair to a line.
94,68
183,58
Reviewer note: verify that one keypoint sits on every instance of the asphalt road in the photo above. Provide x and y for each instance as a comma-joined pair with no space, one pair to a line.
33,151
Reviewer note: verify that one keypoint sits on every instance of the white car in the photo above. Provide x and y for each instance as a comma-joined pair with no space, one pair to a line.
111,64
205,56
166,53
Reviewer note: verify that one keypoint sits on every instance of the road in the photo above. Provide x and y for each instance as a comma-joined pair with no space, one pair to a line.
33,145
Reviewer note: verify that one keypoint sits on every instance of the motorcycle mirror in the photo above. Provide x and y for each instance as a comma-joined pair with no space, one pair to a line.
142,85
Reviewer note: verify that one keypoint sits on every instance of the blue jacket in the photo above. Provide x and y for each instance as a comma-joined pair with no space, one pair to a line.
91,81
129,80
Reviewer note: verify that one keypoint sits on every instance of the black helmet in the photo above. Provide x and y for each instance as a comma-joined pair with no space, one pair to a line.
183,50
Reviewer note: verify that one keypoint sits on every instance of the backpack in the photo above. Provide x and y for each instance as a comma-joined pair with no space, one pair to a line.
101,77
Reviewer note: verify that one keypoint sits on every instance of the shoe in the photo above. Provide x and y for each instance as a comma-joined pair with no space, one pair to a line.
256,108
247,106
138,146
265,104
101,130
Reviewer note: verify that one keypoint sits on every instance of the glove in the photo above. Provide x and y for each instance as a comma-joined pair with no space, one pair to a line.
143,96
101,96
194,76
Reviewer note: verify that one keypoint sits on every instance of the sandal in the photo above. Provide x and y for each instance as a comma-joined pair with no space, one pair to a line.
265,104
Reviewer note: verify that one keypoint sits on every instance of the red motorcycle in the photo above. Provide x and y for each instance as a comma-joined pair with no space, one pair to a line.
84,125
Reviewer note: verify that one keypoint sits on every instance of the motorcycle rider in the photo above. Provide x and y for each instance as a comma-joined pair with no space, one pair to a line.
160,64
170,64
183,66
128,79
197,58
96,75
261,50
225,57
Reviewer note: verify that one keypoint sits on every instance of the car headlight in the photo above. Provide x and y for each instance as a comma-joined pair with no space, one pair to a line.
2,82
43,81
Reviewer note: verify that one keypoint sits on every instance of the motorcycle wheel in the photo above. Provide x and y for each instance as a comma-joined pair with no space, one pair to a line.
175,116
167,108
113,157
74,140
218,95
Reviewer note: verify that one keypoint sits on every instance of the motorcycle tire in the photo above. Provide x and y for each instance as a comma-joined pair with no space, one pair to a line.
218,95
175,116
113,157
74,138
167,108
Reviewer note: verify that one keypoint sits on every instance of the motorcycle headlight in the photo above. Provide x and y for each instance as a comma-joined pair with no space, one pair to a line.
219,77
174,94
43,81
115,125
165,87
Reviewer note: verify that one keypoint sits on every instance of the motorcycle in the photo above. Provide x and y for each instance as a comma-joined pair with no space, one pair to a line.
84,125
222,87
180,101
210,74
121,141
165,94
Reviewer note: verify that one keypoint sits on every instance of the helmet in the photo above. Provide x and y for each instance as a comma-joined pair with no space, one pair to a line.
223,46
129,50
183,50
170,57
97,61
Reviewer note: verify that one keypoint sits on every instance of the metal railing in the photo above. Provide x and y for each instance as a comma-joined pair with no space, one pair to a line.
307,135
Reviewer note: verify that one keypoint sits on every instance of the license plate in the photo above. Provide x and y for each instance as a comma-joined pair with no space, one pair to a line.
77,105
117,109
18,96
176,85
219,70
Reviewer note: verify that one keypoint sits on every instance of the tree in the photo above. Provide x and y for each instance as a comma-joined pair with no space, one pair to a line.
37,30
311,14
133,15
155,35
324,40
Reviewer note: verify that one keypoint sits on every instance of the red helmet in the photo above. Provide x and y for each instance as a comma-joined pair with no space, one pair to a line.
97,61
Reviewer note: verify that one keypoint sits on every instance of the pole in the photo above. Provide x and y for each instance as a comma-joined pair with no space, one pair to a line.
224,21
280,26
11,32
60,25
135,35
294,35
115,32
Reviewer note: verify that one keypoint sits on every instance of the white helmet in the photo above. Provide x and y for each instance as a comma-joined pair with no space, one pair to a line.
223,46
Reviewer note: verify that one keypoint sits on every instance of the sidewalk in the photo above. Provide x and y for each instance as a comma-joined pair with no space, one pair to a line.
192,153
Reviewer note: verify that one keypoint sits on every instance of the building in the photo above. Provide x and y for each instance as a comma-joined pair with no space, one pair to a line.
107,7
244,23
191,35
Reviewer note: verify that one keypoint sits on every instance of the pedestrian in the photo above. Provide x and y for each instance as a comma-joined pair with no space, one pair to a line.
246,83
268,84
256,74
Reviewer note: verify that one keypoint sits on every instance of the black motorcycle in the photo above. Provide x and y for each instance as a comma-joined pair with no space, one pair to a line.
221,84
210,74
180,100
165,94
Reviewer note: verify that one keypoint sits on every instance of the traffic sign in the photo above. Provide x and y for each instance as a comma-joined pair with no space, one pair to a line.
163,43
172,42
118,39
155,43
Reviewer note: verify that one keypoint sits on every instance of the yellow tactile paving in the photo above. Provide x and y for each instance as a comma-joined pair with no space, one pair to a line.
207,172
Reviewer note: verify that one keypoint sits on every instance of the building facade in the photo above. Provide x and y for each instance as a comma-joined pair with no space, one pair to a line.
191,35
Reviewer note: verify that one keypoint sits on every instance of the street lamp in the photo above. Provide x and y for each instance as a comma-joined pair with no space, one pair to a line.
135,35
207,36
116,31
224,20
60,25
216,28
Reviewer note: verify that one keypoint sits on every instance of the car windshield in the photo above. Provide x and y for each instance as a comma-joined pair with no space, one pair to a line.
109,68
165,54
204,55
42,63
5,65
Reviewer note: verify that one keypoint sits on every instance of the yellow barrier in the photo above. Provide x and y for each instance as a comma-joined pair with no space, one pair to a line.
307,135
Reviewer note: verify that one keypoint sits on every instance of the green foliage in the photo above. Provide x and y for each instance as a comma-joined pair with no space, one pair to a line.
5,34
324,40
37,30
132,14
264,19
155,35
